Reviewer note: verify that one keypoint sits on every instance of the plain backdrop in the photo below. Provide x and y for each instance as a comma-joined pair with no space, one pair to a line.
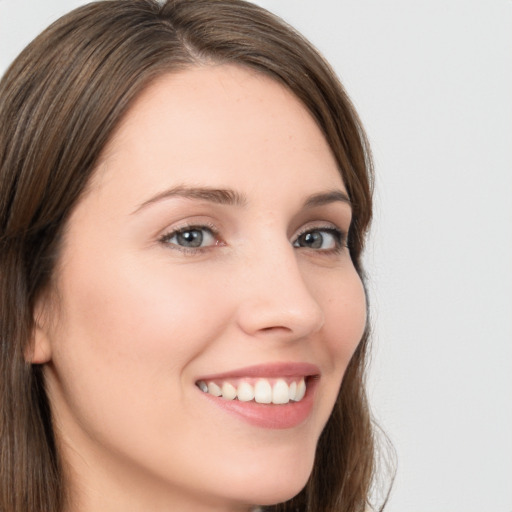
432,81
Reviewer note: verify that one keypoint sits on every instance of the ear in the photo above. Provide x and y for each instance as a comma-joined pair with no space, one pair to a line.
39,350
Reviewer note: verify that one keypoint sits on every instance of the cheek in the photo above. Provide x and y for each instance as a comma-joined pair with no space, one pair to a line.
125,339
344,304
128,331
131,315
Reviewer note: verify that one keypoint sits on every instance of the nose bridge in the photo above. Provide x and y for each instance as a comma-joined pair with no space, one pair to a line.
276,296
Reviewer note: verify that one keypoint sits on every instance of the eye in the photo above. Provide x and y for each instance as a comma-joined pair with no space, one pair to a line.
191,237
323,239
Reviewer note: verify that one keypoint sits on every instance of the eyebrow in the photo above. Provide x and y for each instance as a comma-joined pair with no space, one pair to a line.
323,198
233,198
213,195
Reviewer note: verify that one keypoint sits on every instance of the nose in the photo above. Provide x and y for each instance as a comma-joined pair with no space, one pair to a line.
275,299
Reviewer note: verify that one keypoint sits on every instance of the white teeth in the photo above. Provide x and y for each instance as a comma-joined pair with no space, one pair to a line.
214,390
228,391
262,391
293,390
280,393
301,390
245,392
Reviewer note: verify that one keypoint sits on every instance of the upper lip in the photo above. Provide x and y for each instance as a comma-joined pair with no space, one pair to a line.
269,370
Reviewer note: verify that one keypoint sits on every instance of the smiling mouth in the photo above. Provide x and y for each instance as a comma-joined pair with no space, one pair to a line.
275,391
277,395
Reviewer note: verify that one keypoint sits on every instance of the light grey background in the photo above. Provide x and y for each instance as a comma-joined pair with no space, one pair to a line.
432,81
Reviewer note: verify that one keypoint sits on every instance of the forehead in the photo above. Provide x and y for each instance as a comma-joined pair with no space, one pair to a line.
220,125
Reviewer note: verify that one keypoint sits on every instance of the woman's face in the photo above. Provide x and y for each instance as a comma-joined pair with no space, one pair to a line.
209,252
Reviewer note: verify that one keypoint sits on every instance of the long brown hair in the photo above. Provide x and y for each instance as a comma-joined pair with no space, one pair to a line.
60,102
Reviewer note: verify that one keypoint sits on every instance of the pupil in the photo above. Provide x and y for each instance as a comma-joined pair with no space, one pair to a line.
192,238
313,240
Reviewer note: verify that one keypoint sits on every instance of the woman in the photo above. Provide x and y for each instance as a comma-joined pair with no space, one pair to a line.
185,192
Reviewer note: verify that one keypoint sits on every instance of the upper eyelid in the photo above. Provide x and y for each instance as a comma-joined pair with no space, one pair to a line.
166,233
326,225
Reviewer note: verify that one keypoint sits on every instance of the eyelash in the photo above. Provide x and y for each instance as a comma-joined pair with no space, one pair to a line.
339,236
164,239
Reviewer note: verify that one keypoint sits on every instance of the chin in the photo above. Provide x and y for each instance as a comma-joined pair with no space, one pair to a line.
275,482
283,491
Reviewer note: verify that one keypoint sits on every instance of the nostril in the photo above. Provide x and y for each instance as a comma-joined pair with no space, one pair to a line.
269,307
275,328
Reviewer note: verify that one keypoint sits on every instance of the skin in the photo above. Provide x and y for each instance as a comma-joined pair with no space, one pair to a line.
134,321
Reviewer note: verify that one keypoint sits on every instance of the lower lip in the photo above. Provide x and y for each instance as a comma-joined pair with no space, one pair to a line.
271,416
